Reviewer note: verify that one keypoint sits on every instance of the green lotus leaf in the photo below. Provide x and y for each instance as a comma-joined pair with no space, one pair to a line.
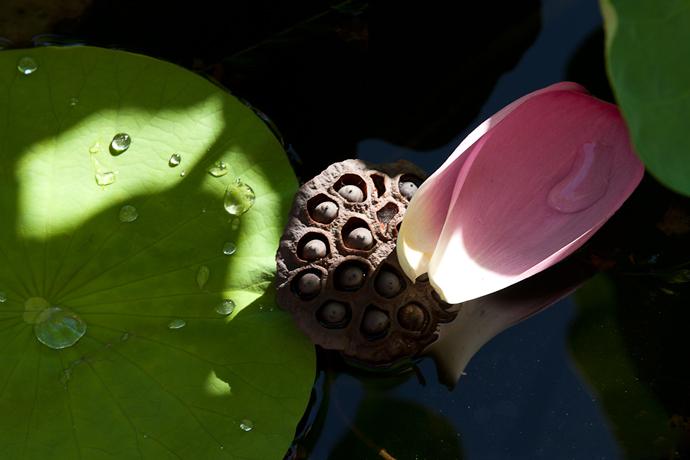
118,335
647,45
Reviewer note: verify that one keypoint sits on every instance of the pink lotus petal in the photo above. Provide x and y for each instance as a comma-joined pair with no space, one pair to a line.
546,173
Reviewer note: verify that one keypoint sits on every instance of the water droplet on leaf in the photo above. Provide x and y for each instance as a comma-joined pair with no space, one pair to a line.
229,248
175,160
95,148
73,101
226,307
202,276
183,173
219,169
177,324
239,198
246,425
27,65
59,328
586,182
3,297
120,143
128,213
105,178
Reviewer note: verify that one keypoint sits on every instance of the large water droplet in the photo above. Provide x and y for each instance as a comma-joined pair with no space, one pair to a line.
177,323
246,425
175,160
3,297
226,307
120,143
128,213
229,248
239,198
105,178
59,328
586,182
219,169
27,65
202,276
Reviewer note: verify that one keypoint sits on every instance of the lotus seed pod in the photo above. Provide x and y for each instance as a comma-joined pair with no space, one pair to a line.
330,295
325,212
407,189
351,277
351,193
314,249
388,284
375,322
412,317
359,238
333,313
309,284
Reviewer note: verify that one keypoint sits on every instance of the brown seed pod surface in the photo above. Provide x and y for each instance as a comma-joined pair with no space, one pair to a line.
338,273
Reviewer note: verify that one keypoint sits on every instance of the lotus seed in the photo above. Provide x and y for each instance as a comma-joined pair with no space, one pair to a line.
407,189
360,238
412,317
333,313
375,322
351,277
387,284
314,249
351,193
325,212
309,284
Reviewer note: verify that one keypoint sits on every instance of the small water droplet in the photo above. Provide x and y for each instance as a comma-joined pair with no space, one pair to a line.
59,328
219,169
226,307
202,276
175,160
33,306
128,213
239,198
177,323
586,182
229,248
145,436
105,178
221,447
183,173
120,143
246,425
27,65
95,148
124,337
3,297
73,101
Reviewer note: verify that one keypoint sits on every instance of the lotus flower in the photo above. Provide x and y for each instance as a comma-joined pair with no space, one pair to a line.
523,191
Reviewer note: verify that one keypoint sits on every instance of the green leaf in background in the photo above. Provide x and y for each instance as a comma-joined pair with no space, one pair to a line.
603,357
184,354
647,49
